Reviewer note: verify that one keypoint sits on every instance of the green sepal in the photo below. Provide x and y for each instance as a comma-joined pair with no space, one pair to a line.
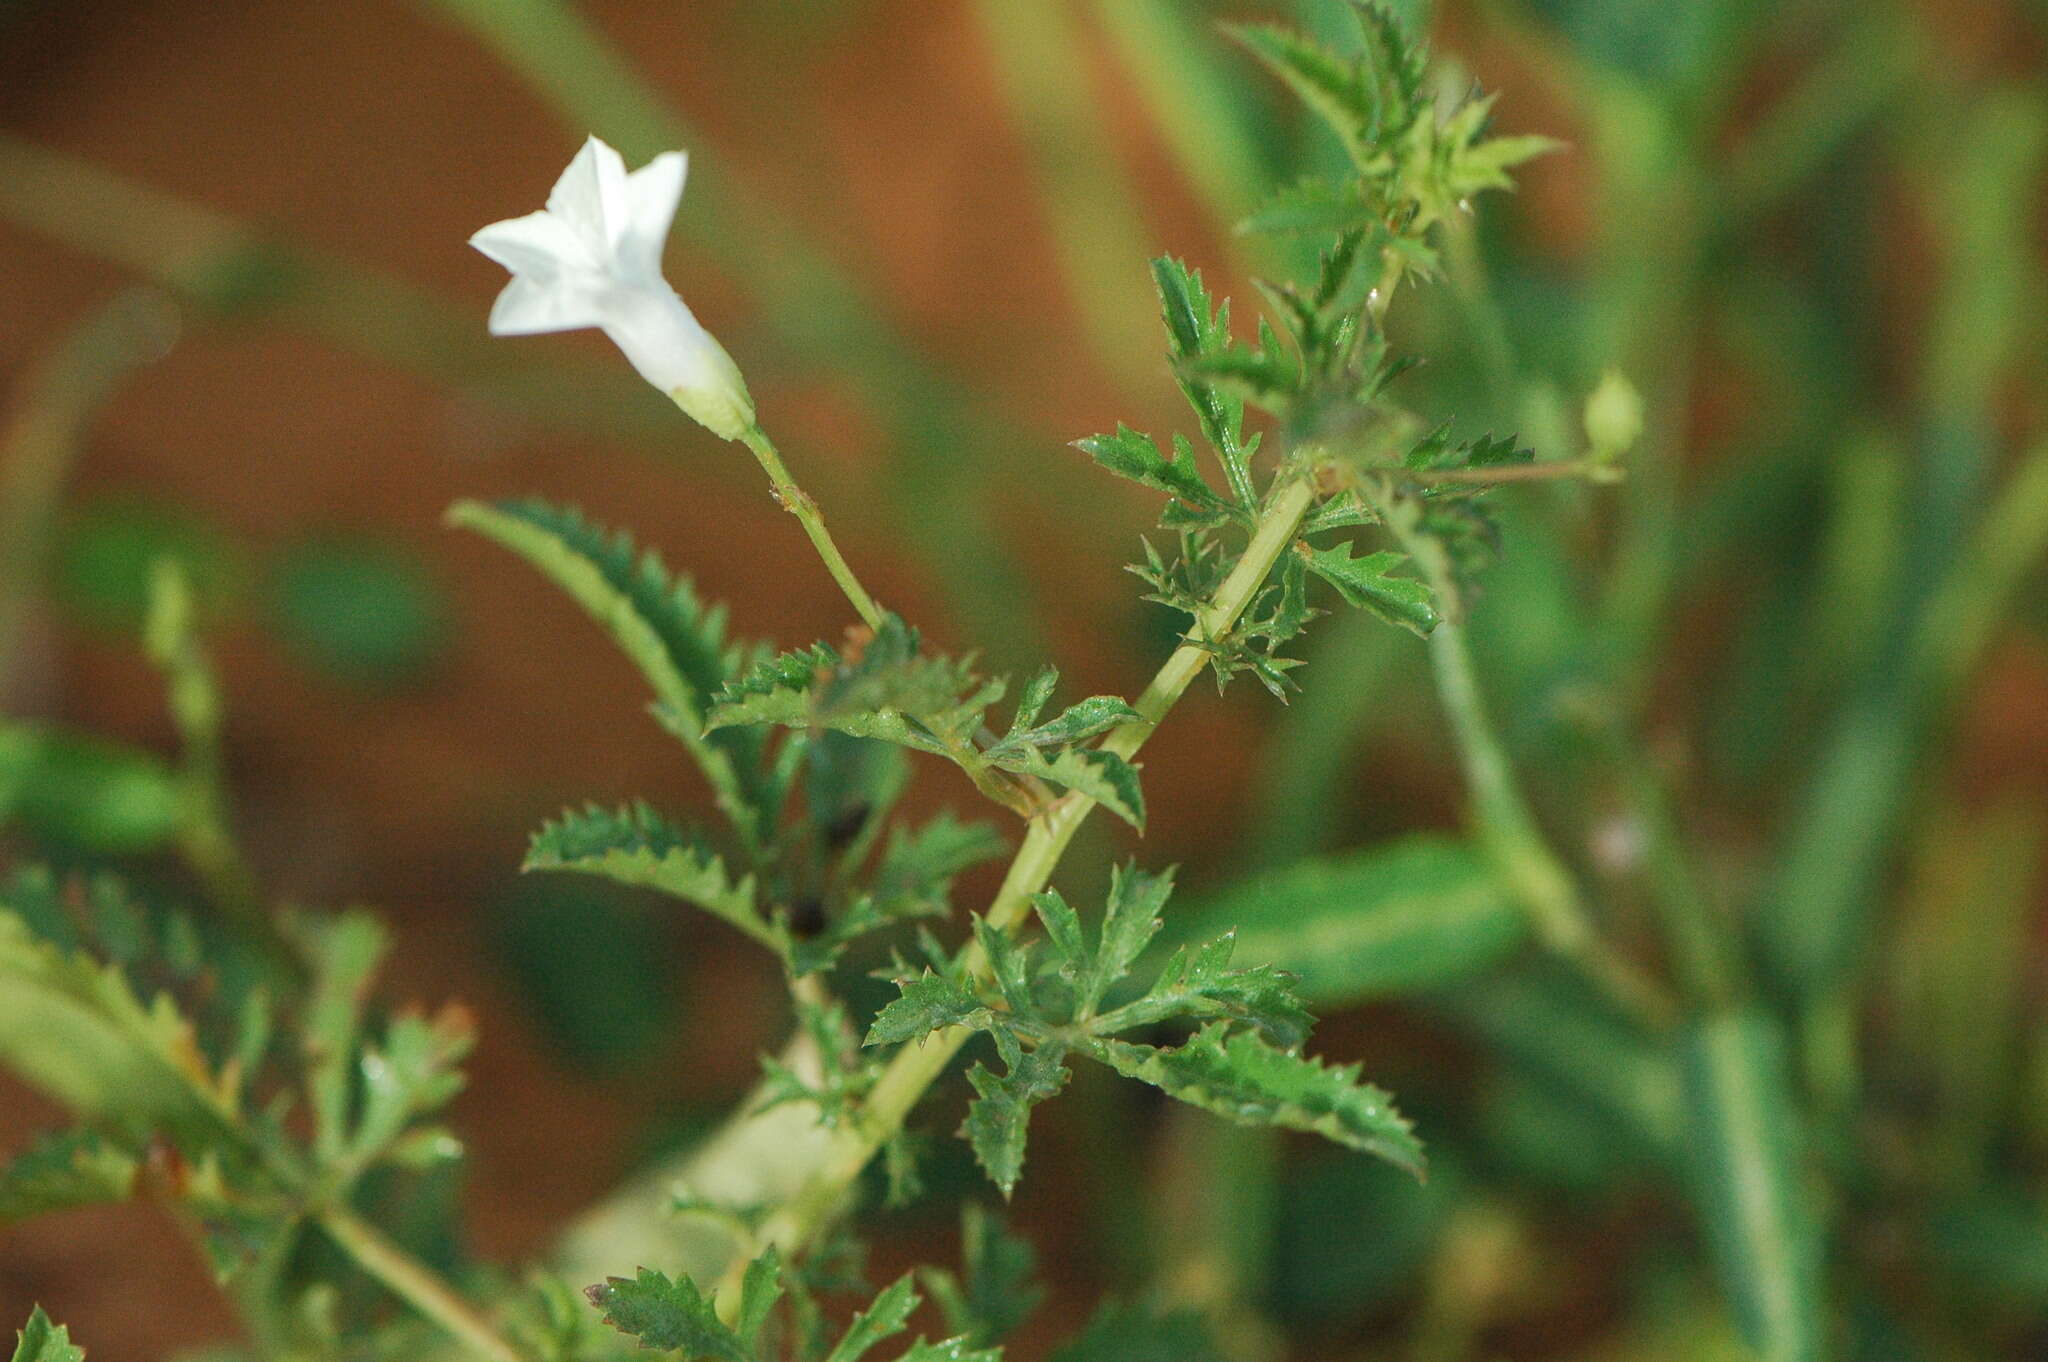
1370,584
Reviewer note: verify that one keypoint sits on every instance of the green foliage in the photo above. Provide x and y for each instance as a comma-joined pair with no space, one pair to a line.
1746,1166
74,1168
360,610
41,1341
77,791
888,689
672,1315
1371,584
994,1293
1129,1333
669,1315
676,641
1403,916
637,846
1048,1006
1411,154
1237,1075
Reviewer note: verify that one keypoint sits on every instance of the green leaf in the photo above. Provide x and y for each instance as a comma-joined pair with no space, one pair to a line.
1237,1075
1078,722
676,641
928,1003
41,1341
1746,1162
1268,377
1194,328
343,952
916,873
75,1029
1036,696
1063,932
1413,914
1000,1113
888,690
1200,985
670,1315
1369,583
61,1171
1131,1333
1131,455
1485,165
1130,920
637,846
951,1350
1104,777
883,1319
760,1288
1337,89
1312,205
995,1292
411,1073
85,793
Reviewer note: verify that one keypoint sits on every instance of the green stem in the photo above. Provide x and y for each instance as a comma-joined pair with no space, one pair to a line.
419,1285
798,503
1506,826
915,1068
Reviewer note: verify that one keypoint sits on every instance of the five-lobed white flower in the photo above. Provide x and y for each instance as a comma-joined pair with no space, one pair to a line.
593,258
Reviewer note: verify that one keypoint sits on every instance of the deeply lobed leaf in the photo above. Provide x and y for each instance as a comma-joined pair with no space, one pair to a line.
1235,1074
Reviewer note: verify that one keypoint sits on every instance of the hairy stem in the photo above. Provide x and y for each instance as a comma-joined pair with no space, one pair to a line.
915,1068
798,503
419,1285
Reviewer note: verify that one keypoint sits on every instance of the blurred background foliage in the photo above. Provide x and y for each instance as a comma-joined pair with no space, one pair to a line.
1790,679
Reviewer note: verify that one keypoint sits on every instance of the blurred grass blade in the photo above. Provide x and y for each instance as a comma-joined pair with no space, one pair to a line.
1209,117
1868,68
1817,908
1549,1026
1957,966
40,440
1744,1158
1084,194
1422,912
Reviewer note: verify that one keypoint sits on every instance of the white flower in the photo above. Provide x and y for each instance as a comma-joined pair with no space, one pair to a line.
593,258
